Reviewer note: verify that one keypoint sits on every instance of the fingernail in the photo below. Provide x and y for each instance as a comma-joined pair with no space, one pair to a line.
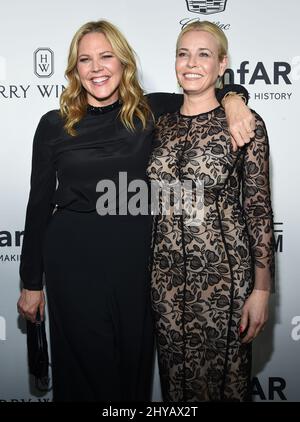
241,328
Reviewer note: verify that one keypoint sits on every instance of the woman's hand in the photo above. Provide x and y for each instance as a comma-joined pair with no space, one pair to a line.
240,120
255,314
29,302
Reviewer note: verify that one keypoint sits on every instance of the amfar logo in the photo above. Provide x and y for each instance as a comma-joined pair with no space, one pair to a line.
2,328
43,62
275,389
207,7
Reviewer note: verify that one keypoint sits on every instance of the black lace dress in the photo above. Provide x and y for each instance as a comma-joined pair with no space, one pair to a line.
203,273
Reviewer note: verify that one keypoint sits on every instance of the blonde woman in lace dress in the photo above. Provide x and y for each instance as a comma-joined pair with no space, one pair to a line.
211,280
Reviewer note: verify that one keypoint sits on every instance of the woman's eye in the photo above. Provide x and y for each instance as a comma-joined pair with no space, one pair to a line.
204,54
181,54
84,59
108,56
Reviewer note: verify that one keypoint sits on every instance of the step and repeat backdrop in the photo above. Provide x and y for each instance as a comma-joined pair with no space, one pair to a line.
264,57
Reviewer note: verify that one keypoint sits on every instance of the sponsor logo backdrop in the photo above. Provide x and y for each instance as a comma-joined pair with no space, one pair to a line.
264,56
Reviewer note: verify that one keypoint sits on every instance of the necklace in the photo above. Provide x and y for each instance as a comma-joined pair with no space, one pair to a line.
101,110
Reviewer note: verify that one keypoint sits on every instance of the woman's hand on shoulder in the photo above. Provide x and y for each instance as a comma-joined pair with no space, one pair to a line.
240,119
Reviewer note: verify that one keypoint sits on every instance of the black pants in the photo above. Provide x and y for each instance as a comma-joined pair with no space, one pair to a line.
98,291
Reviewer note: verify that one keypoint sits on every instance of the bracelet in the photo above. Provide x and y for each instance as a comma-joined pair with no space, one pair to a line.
231,94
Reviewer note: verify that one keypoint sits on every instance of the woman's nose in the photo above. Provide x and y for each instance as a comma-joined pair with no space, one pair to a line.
96,65
192,62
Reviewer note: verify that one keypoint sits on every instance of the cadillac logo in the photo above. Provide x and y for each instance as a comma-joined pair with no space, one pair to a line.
207,7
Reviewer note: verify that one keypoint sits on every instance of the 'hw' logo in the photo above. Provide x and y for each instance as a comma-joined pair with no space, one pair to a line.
206,7
43,62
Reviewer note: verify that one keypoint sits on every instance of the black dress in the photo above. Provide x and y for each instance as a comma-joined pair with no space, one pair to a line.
95,266
206,264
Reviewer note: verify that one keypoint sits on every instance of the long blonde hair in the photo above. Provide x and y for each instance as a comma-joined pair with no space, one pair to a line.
73,100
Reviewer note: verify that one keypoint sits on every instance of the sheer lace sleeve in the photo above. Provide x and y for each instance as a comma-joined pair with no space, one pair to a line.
257,207
39,208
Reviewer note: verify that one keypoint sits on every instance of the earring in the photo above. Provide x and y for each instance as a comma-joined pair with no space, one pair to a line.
220,83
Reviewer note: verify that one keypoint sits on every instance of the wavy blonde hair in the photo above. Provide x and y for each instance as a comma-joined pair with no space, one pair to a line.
73,100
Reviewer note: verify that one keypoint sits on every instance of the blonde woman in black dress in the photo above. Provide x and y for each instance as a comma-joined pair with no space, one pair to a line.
211,278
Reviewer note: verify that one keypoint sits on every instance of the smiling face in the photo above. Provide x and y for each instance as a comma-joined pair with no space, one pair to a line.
100,71
197,62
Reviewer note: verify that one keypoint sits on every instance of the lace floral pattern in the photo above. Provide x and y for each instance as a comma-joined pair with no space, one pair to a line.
202,274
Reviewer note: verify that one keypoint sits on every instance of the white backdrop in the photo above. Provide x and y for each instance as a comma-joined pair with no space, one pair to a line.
265,57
